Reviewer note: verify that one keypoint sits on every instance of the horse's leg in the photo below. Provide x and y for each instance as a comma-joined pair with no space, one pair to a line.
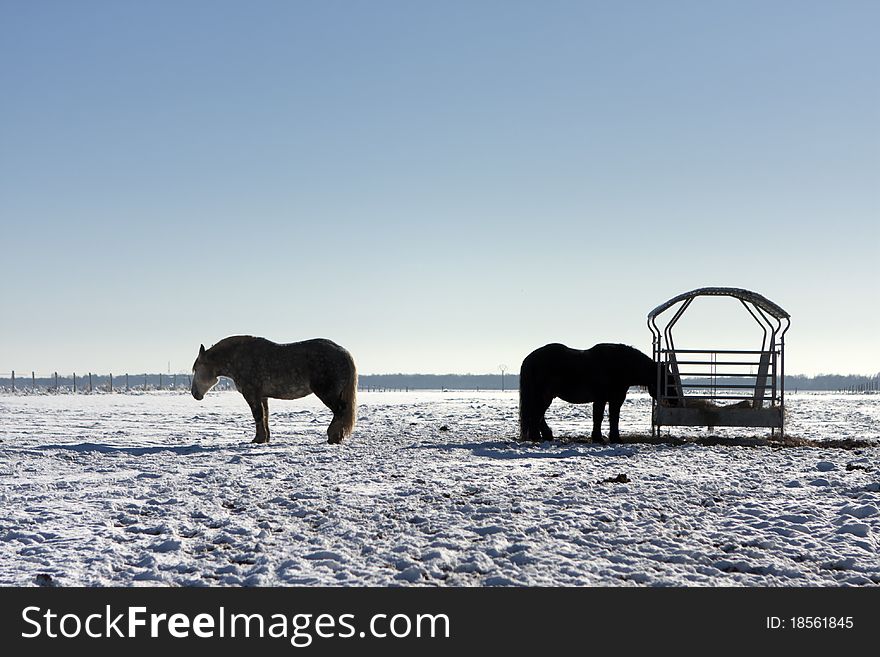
530,424
538,429
598,412
256,403
335,432
264,402
531,429
614,420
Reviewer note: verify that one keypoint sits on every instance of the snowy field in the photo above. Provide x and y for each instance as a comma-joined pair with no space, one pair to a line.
158,489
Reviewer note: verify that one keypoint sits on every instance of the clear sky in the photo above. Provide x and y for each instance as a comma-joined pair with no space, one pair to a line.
439,186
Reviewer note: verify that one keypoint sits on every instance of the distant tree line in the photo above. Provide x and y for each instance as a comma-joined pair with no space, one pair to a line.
849,382
102,382
93,382
437,381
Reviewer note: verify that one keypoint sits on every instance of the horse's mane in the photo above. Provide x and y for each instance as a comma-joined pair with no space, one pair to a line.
228,344
630,351
633,359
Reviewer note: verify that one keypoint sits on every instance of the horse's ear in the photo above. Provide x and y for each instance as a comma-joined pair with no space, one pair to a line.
201,350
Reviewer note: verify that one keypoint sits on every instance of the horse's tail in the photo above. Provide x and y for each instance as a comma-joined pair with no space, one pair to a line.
348,397
528,401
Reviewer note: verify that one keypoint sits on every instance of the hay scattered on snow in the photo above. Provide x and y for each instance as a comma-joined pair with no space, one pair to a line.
723,441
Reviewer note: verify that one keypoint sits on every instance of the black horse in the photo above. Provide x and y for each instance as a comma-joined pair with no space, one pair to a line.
602,374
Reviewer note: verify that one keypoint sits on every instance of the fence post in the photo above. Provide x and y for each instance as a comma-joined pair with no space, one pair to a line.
160,380
33,381
56,383
145,382
13,380
111,381
74,383
126,382
90,383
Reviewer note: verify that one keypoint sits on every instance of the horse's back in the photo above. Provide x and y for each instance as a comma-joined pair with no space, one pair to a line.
290,370
329,367
614,350
619,358
581,375
600,354
550,355
553,368
318,352
316,344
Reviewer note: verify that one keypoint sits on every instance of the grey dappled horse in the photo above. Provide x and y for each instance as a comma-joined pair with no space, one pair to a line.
261,369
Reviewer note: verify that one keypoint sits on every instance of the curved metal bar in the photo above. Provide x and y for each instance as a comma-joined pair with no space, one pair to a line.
782,373
655,354
787,324
758,300
670,344
760,323
655,332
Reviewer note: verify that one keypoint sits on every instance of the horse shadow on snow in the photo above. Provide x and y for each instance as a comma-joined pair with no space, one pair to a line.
86,448
511,450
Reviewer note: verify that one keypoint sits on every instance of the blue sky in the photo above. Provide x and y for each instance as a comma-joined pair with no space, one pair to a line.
438,186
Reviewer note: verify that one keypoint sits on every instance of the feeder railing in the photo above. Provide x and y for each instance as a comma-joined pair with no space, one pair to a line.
714,378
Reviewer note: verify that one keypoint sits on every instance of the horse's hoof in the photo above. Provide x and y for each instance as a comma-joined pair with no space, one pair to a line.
260,441
334,441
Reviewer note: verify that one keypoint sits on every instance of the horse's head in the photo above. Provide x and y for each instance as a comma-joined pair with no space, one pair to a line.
667,384
670,387
204,375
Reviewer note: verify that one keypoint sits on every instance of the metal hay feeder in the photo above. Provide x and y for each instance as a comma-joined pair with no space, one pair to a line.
720,387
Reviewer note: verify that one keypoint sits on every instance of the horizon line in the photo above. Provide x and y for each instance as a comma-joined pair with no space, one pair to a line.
22,374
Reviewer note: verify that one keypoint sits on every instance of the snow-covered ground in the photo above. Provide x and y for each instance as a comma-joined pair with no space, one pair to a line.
158,489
